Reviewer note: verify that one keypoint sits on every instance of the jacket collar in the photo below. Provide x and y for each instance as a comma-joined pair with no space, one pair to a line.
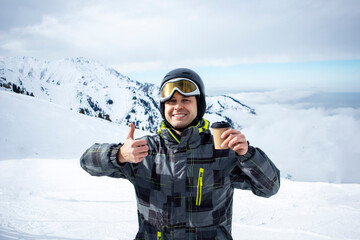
190,137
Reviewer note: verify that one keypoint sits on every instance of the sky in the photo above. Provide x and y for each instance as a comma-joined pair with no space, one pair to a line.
233,45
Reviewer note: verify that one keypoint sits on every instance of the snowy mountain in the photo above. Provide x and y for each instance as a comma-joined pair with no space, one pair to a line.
91,88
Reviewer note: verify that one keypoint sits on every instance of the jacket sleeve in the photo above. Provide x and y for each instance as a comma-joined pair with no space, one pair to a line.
101,160
256,172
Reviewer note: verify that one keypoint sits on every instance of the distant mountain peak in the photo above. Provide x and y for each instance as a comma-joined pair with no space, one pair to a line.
91,88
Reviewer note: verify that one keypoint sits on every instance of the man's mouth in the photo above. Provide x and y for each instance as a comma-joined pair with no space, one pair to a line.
179,115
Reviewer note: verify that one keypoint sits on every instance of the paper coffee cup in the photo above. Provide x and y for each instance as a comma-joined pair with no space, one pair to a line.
217,129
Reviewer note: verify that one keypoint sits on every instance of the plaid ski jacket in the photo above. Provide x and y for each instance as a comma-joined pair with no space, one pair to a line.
184,187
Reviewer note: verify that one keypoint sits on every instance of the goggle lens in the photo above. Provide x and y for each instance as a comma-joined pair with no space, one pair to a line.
184,86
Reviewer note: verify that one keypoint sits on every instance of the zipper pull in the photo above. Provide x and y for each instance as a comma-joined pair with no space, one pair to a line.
199,187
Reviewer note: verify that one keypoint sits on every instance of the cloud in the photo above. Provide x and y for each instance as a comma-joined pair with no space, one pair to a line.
166,33
306,143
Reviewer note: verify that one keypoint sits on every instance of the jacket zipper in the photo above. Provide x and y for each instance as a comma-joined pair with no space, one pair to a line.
199,187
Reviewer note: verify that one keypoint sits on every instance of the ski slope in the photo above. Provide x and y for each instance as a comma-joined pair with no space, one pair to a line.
56,199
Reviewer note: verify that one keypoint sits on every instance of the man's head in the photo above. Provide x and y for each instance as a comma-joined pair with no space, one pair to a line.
187,83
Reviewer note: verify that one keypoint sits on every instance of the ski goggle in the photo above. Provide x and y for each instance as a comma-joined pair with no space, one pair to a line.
184,86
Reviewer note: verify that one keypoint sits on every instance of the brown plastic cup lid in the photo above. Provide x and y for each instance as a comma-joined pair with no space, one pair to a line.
221,124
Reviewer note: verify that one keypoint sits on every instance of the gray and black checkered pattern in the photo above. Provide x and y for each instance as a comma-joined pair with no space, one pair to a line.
185,187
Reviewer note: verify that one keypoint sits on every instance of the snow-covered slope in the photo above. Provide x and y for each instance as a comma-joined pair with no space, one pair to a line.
32,127
88,86
44,193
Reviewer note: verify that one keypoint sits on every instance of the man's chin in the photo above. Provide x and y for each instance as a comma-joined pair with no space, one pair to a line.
179,125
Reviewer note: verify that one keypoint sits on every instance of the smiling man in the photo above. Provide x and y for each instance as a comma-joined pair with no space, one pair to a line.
184,187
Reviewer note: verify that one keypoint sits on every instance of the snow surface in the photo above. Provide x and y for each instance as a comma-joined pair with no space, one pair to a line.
44,194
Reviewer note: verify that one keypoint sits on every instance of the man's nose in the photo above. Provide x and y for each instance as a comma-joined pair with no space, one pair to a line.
178,105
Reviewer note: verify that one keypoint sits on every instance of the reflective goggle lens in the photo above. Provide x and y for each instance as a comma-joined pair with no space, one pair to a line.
184,86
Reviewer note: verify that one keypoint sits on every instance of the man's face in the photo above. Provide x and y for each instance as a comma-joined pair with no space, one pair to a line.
180,110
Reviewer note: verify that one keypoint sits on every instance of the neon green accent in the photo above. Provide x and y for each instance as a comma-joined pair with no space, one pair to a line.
163,126
173,136
199,187
158,235
198,124
205,127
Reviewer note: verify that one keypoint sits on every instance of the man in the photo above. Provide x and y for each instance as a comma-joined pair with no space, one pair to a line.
184,187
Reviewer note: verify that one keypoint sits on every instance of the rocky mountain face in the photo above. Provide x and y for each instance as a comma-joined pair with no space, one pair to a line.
93,89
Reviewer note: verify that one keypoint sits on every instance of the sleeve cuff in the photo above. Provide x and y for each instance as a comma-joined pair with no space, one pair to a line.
249,154
114,155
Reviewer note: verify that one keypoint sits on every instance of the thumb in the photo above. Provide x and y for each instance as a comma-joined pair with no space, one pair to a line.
131,132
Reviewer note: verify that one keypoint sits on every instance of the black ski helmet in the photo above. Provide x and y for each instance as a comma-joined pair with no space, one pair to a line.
200,99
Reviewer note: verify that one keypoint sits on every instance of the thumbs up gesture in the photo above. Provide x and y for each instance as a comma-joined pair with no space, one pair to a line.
133,151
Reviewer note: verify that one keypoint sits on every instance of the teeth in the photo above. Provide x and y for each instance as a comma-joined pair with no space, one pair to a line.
179,115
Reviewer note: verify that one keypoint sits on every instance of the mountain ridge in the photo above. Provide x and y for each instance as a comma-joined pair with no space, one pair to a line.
96,90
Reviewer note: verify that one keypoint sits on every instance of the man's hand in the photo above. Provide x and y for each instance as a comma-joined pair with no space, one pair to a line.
133,151
235,140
